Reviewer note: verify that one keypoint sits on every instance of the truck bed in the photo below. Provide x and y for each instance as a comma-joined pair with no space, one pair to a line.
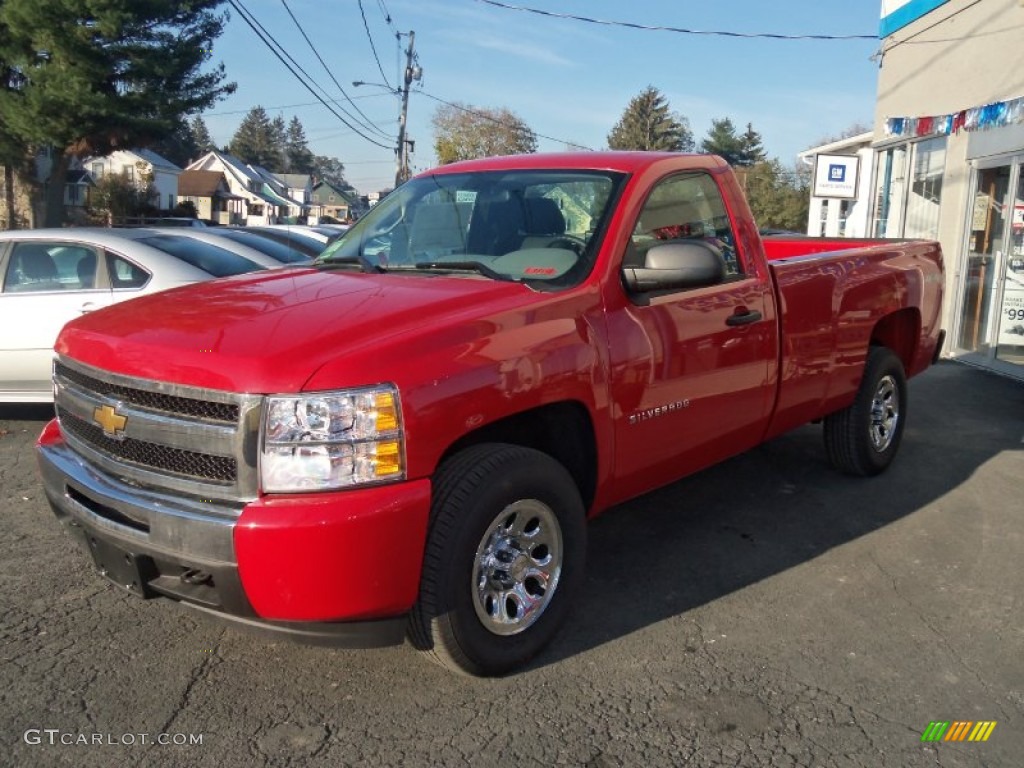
776,248
832,295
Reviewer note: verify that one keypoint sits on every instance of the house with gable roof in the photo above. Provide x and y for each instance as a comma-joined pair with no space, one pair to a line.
139,165
277,189
264,197
208,191
299,187
328,199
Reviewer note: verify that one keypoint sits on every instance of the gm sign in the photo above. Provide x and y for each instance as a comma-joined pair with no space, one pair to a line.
836,176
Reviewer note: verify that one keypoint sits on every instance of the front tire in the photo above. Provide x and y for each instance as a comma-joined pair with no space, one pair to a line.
863,439
505,554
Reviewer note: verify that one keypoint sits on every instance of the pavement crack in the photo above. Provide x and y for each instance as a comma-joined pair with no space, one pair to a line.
953,652
198,674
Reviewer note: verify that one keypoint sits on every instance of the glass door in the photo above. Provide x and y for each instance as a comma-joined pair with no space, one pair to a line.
987,226
1010,339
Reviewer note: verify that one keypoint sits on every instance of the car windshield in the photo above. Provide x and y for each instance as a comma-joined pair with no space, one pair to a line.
535,226
272,248
293,239
212,259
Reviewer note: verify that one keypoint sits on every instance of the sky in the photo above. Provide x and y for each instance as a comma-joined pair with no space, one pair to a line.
568,80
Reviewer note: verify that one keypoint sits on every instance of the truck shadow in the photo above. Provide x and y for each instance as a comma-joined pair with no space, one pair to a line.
41,412
778,506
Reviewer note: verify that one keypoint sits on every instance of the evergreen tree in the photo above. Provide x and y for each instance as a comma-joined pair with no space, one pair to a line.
279,131
647,124
752,151
103,74
723,141
299,158
179,147
256,140
201,136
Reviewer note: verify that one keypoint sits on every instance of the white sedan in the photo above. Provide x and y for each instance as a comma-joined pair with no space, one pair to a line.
51,276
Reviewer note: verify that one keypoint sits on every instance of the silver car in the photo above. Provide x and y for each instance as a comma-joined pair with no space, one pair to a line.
306,240
51,276
250,245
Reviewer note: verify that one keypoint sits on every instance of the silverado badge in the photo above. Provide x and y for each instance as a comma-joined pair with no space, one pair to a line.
112,422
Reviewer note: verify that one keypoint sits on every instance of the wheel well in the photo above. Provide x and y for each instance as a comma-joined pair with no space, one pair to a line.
900,332
563,430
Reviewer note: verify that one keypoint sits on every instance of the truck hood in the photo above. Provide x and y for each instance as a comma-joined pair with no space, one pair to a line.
271,331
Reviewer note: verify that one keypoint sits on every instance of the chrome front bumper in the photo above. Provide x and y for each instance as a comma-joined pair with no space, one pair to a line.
153,544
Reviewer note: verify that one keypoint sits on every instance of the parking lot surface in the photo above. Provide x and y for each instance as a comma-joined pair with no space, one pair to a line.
767,612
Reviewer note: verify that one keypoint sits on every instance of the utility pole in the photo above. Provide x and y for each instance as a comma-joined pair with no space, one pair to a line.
402,150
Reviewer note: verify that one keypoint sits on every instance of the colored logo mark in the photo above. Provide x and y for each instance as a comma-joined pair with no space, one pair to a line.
958,730
112,422
837,173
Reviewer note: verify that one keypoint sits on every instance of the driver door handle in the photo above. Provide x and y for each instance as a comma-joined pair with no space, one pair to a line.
743,317
88,306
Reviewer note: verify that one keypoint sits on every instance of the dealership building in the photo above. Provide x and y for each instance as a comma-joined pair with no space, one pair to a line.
946,162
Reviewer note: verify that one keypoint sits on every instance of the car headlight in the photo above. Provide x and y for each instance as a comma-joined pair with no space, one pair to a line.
328,440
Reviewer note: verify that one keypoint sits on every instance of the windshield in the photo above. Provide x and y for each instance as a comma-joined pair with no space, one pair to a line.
303,243
535,226
272,248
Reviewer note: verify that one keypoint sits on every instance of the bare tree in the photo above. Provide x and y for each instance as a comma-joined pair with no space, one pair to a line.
463,132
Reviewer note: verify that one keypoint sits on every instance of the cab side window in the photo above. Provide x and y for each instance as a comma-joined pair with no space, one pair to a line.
688,206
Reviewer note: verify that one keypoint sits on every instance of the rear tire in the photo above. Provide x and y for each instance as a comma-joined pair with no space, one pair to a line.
505,555
863,439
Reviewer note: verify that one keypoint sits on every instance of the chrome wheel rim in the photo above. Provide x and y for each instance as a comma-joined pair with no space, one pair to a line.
885,413
517,566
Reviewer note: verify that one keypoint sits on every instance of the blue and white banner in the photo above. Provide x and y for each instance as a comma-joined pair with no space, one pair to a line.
896,14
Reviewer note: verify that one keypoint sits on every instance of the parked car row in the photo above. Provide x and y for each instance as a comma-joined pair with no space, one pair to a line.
50,276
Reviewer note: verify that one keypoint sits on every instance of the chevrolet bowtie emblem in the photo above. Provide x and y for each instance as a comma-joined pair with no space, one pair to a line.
112,422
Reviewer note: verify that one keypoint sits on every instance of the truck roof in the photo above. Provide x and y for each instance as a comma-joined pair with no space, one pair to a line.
626,162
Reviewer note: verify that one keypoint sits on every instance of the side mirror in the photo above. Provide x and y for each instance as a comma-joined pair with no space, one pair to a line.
674,266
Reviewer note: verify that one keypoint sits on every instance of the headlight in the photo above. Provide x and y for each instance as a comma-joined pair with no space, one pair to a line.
329,440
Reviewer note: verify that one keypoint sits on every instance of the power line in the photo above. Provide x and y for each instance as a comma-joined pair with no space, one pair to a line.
266,37
292,106
373,48
493,119
367,122
397,36
651,28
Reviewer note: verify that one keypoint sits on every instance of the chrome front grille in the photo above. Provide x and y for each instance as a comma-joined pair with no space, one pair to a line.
196,441
199,466
154,401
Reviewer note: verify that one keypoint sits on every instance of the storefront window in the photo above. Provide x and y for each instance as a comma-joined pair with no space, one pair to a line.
891,181
844,215
926,189
908,189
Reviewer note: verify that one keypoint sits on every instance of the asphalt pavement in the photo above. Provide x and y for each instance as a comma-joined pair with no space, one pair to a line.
767,612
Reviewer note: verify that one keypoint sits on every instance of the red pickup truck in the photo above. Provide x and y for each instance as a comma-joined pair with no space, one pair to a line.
409,435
